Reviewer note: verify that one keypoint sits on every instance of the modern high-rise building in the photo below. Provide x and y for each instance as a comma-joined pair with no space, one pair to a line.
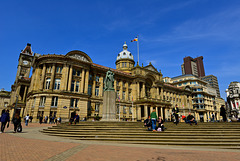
193,66
213,81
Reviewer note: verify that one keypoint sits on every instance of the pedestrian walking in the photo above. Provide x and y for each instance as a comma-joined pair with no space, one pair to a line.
175,111
4,120
26,119
16,121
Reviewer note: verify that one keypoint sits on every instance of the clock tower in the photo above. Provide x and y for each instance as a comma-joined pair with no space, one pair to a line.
20,87
24,63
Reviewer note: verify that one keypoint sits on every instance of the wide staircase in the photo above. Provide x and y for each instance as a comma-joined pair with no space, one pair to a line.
225,135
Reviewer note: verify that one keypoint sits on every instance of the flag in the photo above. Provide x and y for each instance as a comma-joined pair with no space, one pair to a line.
135,39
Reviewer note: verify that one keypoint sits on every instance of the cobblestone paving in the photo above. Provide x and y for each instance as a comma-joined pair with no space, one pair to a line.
31,145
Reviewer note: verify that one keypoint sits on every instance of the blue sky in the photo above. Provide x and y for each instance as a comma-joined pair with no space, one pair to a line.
168,31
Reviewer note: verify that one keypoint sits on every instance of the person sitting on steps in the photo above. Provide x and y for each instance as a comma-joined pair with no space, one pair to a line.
191,119
148,124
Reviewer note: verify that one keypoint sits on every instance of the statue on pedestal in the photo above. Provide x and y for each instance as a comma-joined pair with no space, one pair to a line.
109,81
109,98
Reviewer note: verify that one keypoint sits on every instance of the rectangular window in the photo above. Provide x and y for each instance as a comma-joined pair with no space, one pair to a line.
74,72
42,101
76,102
97,107
54,101
77,86
57,84
123,96
78,73
89,89
73,103
97,78
117,109
124,110
59,69
130,110
48,81
97,91
34,101
72,86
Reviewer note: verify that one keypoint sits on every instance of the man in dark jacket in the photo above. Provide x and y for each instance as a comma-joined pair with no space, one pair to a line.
4,120
175,111
191,119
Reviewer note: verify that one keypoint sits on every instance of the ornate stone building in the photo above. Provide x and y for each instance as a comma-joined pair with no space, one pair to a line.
204,96
4,99
61,84
233,100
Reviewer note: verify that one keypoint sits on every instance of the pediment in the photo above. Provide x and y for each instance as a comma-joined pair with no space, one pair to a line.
79,55
151,68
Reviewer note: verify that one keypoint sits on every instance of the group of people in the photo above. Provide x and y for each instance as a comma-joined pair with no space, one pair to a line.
52,119
5,120
154,123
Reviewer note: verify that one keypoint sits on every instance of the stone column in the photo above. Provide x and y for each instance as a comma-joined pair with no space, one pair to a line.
121,90
52,76
101,86
36,109
158,95
25,94
157,111
115,85
82,80
86,82
127,93
138,90
43,77
143,91
145,111
162,112
138,112
94,84
70,79
64,79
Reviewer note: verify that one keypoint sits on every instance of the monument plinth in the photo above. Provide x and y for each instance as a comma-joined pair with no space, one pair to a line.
109,98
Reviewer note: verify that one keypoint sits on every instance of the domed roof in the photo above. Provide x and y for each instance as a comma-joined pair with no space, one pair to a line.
125,54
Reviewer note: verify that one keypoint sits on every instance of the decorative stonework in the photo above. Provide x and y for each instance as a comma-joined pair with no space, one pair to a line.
79,57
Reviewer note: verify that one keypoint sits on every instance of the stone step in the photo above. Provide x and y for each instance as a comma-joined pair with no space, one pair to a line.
146,137
158,134
204,134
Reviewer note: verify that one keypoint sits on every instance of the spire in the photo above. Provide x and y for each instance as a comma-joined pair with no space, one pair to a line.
27,49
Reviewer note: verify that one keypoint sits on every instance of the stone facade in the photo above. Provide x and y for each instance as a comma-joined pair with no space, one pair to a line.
4,99
233,100
61,84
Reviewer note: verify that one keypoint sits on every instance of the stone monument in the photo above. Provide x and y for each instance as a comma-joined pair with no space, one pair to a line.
109,98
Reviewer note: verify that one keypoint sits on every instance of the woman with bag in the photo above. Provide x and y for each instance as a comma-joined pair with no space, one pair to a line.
16,122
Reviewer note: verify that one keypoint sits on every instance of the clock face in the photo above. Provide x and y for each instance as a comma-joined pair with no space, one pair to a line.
25,62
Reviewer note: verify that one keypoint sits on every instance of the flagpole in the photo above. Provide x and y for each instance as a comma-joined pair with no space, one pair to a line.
138,49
